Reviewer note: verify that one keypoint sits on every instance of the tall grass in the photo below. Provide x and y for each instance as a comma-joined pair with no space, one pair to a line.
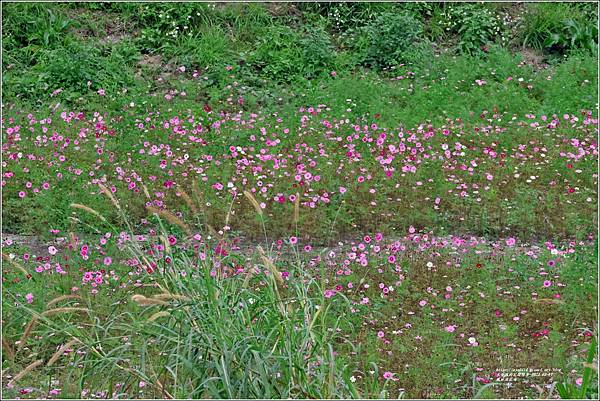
206,330
247,335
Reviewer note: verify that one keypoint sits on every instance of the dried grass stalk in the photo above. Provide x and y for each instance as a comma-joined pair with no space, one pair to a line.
212,230
24,372
297,208
110,196
8,349
548,301
14,263
61,351
62,298
52,312
167,296
166,244
73,239
163,389
253,201
198,194
88,209
188,201
269,264
230,211
143,301
171,218
247,279
27,331
158,315
146,192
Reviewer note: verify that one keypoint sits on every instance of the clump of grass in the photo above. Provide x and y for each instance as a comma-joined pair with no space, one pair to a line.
236,338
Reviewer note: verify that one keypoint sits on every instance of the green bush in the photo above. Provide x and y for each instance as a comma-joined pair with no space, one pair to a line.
539,22
341,17
277,53
574,35
282,53
207,49
162,23
318,51
70,68
475,25
479,26
30,28
559,28
390,39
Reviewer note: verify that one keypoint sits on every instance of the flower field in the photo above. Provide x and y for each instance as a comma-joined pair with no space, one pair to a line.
191,239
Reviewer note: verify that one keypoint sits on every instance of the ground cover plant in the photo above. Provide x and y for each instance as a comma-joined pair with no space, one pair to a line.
299,200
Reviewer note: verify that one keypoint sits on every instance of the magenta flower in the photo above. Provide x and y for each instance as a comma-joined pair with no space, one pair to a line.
389,375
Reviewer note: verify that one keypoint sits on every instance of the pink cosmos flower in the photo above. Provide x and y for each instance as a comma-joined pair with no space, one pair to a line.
29,298
450,329
389,375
